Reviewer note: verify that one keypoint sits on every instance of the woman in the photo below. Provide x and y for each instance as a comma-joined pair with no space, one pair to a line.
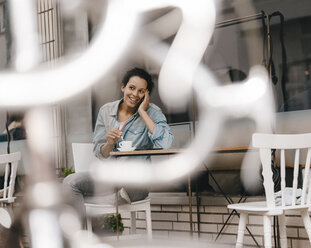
130,118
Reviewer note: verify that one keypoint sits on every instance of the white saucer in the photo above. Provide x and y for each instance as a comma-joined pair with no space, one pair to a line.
126,149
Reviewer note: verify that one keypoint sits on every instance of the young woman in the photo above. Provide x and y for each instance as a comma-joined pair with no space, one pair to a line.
131,118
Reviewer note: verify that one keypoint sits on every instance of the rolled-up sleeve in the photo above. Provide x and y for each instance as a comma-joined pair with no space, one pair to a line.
162,136
99,138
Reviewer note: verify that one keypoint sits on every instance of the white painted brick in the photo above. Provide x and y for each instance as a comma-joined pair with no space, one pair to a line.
208,228
292,232
164,216
248,240
160,233
126,215
214,201
155,208
211,218
294,221
186,217
234,219
141,215
174,208
255,230
195,227
126,231
255,220
226,239
302,233
126,222
194,209
141,231
139,223
232,229
181,226
289,243
162,225
211,224
125,219
216,209
300,243
229,229
293,212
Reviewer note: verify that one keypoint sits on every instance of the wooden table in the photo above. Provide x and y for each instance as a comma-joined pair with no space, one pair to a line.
153,152
150,152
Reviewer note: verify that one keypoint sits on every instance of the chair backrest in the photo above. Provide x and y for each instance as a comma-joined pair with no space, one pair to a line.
182,134
83,156
10,162
285,143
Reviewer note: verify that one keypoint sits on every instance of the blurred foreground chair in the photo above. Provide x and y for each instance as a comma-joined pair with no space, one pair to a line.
83,157
277,204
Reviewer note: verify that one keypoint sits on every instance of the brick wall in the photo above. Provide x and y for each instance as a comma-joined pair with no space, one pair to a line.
170,218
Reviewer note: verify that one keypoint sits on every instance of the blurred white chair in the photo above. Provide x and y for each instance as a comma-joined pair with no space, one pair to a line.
83,156
271,207
10,163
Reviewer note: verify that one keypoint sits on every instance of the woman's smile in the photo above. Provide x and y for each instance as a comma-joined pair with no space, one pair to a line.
134,100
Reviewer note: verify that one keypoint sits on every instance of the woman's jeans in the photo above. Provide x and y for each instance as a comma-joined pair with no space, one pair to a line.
82,189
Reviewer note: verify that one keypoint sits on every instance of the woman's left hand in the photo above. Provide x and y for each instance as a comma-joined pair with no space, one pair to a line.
145,103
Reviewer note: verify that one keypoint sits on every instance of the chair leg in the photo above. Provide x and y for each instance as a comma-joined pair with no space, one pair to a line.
89,224
267,230
241,230
133,222
283,236
148,222
306,222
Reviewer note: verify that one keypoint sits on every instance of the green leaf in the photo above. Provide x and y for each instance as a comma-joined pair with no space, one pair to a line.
67,171
110,223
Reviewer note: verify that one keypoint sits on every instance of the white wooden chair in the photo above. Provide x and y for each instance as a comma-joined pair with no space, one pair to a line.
10,163
269,208
83,157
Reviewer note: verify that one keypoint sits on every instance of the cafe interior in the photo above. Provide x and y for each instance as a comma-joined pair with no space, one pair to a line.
232,80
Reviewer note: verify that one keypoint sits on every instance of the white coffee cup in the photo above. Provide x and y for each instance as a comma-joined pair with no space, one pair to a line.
126,144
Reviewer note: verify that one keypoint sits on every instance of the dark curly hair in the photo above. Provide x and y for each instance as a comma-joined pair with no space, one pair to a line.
140,73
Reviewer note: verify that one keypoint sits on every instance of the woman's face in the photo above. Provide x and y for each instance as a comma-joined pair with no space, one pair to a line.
134,91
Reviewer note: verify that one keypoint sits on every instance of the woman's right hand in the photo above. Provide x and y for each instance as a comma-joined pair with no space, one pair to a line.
113,136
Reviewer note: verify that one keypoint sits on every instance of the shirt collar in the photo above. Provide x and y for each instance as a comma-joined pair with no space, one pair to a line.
114,111
115,108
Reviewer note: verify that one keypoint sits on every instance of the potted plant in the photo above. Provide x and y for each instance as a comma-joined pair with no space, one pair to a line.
108,224
67,171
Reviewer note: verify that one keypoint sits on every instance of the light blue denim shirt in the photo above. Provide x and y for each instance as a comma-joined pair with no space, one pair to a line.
135,129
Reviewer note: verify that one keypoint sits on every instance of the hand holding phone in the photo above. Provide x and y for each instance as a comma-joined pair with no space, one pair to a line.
144,103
